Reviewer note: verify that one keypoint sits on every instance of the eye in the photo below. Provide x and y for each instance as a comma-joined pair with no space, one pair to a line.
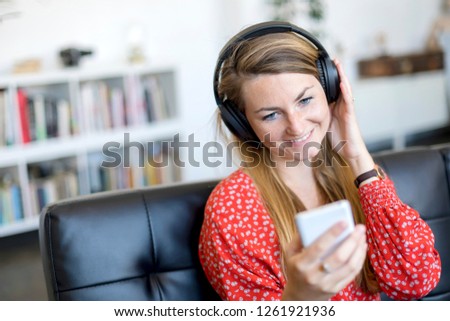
270,116
305,101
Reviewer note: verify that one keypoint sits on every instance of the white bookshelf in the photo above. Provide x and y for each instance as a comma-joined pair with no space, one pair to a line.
94,117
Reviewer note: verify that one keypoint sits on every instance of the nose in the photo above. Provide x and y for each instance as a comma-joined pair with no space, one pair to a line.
294,124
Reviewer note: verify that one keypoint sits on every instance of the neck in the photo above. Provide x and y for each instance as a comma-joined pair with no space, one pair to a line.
301,180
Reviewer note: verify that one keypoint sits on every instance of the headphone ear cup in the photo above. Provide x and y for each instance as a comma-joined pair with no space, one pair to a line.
236,122
322,79
329,78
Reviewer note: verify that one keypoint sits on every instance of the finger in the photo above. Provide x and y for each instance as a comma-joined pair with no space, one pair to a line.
343,253
322,244
344,85
348,273
343,77
356,262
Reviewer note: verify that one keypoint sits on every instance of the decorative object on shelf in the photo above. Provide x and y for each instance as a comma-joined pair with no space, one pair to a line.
71,56
399,65
381,40
287,9
440,26
135,39
27,66
310,12
432,58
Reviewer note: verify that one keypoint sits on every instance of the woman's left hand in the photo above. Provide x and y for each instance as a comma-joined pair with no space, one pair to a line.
345,131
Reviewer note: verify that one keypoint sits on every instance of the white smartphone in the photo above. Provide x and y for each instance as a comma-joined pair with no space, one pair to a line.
313,223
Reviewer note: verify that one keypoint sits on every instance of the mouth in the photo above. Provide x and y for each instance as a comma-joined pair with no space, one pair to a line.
301,139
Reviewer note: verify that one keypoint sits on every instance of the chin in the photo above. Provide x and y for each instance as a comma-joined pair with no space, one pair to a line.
295,157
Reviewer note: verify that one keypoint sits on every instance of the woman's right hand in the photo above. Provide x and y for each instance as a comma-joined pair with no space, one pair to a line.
307,280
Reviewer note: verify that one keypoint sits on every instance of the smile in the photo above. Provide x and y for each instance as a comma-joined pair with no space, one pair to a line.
302,138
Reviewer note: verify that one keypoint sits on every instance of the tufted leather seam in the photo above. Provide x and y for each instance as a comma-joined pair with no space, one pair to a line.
119,281
152,245
51,253
446,161
440,218
104,283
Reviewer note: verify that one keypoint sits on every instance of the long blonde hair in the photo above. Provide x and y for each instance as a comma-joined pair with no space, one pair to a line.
275,54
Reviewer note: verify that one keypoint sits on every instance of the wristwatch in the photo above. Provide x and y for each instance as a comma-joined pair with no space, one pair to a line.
376,172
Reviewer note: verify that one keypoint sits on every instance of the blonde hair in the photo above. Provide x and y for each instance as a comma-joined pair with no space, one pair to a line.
275,54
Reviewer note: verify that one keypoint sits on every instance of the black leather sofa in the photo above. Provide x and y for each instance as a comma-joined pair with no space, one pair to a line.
142,244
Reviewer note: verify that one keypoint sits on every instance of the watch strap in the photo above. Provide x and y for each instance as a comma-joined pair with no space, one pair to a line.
366,175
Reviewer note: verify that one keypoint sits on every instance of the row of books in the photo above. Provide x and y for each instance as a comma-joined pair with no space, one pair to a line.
104,104
42,117
7,135
59,179
10,201
108,105
160,169
155,100
52,188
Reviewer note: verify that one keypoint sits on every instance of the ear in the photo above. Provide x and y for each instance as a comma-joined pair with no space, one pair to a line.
236,122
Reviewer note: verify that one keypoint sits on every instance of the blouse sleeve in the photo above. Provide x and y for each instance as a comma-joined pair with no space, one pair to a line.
401,244
238,247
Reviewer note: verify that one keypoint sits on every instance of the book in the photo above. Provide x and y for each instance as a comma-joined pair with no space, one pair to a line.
39,113
87,103
16,202
2,118
63,118
117,108
51,117
104,106
24,121
10,122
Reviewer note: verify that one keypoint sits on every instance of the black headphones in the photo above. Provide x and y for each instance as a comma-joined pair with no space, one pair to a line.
233,118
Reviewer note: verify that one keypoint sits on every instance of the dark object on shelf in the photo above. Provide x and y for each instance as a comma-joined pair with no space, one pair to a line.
130,245
71,56
400,65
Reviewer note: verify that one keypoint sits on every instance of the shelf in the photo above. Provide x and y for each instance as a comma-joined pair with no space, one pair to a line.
78,74
387,66
57,127
72,146
27,225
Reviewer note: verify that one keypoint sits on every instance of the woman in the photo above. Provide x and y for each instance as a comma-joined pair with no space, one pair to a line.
291,109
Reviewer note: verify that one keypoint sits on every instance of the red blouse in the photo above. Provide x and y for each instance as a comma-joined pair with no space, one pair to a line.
240,253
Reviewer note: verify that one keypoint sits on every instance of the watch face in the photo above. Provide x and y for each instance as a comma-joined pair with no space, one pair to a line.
381,173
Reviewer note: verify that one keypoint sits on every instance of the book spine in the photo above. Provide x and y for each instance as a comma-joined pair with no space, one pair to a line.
39,110
2,118
24,116
16,202
63,112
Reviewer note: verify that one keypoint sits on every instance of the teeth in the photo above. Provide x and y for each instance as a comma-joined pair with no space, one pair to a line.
300,139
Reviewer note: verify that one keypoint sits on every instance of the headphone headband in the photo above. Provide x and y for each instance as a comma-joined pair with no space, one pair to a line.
258,30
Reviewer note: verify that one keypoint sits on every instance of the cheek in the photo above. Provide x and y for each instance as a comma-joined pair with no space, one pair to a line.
262,130
322,115
268,134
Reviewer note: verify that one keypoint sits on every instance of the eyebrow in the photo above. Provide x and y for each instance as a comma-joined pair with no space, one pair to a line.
299,96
